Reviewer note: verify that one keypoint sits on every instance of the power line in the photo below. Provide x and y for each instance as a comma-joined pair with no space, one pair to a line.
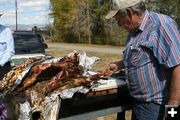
16,8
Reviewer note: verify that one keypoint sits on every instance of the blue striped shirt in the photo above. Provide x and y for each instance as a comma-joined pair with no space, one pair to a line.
150,53
6,45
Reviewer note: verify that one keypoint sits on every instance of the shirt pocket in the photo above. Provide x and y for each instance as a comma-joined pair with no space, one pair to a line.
3,46
137,57
133,57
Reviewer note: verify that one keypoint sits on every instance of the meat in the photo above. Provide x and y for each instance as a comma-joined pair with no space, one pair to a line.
35,72
63,74
67,83
46,76
10,78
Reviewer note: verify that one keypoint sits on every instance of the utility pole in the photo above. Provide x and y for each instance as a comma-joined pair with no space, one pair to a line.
16,14
50,28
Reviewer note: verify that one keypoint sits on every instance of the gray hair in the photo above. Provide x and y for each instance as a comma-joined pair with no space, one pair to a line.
138,8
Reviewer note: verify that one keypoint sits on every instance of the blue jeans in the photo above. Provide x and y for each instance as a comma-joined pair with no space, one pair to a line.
147,111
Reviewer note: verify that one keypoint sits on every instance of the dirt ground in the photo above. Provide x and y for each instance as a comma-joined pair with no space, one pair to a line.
114,116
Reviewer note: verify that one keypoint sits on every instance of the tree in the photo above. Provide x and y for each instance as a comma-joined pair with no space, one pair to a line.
63,14
83,21
168,7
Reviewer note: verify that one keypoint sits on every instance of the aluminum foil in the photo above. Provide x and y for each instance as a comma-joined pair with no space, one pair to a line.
68,93
19,79
86,62
25,111
50,107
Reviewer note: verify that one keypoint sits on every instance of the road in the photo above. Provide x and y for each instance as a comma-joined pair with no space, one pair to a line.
90,48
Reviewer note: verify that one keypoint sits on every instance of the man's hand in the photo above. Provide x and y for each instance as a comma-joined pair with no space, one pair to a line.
109,70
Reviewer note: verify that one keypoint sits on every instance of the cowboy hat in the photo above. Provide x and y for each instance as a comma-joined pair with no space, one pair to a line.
119,5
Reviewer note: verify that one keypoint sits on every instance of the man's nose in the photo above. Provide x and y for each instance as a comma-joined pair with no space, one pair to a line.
119,23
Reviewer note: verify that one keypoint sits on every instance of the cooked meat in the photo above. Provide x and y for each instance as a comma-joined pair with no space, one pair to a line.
47,77
35,72
12,76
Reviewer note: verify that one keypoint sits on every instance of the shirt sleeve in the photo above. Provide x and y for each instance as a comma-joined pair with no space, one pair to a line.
166,44
9,52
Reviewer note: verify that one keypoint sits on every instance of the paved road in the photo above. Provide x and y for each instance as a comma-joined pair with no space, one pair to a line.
92,48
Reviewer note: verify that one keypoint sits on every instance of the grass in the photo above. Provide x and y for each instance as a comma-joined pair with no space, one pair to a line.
89,45
104,58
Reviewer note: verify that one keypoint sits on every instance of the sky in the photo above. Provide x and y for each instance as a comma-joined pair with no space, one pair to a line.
29,12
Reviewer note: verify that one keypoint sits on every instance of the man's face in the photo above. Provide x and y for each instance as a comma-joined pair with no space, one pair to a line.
126,22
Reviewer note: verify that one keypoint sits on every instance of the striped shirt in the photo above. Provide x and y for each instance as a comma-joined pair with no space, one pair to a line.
149,54
6,45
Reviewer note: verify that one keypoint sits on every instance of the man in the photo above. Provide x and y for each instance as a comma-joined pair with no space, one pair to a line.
6,49
6,52
151,58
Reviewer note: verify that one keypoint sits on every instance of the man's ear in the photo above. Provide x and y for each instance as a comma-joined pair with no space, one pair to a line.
129,13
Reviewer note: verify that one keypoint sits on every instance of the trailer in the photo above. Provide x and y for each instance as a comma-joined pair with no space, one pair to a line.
97,102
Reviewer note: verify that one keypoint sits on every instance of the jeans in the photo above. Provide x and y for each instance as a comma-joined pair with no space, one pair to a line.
121,116
147,111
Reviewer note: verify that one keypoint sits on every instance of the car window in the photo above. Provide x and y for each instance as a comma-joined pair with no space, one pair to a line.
27,43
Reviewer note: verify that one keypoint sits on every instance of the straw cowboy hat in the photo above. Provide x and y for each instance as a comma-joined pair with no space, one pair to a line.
121,4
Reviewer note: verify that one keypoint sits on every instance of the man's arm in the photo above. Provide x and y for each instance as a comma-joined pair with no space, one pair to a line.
174,98
10,47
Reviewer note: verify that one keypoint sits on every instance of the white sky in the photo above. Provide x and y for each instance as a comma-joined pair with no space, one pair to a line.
29,12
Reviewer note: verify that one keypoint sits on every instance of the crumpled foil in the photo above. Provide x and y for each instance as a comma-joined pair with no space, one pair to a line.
17,82
86,62
68,93
25,111
19,78
51,105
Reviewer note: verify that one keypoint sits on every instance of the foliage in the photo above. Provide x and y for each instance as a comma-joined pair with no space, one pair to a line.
168,7
82,21
63,14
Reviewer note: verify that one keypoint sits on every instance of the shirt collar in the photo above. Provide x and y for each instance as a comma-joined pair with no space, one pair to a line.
144,21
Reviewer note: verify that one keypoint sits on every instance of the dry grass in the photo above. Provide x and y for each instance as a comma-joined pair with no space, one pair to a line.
89,45
105,59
